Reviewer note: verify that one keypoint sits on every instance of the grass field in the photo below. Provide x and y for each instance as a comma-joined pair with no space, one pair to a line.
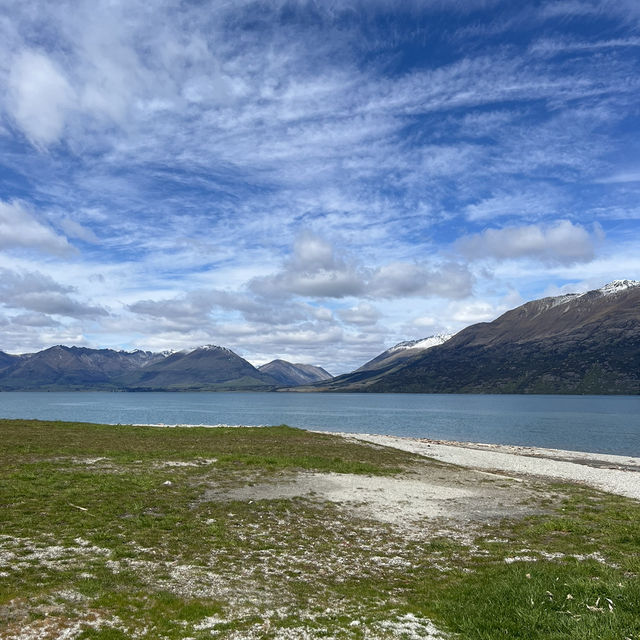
117,532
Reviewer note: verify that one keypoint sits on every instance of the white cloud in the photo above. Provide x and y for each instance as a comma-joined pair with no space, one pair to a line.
622,177
74,229
180,311
626,9
473,311
34,320
40,97
547,46
199,142
560,243
424,322
19,228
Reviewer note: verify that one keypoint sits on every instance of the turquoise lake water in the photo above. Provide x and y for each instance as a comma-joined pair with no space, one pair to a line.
604,424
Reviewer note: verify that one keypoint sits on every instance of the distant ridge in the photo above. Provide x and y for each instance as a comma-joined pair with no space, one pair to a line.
575,344
292,374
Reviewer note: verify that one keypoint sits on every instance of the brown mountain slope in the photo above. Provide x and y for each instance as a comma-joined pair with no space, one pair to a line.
586,343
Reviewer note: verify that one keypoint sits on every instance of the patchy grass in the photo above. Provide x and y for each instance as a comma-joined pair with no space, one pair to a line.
106,534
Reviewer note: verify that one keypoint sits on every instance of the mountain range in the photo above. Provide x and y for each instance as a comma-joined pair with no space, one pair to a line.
208,368
576,343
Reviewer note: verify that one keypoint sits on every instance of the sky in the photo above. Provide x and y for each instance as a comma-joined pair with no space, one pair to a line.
309,180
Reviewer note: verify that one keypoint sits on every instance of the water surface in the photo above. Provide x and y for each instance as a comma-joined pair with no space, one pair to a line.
604,424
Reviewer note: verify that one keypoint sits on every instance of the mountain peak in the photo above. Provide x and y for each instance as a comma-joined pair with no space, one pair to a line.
612,288
403,351
214,348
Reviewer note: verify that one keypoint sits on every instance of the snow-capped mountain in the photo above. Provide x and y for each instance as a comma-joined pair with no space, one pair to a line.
575,343
612,288
209,367
71,367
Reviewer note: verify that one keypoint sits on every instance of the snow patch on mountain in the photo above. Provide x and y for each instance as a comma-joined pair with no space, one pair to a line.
618,286
423,343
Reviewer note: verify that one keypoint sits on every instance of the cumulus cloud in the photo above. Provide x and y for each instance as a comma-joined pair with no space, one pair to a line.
314,270
19,228
472,311
34,320
197,309
40,97
179,309
37,292
560,243
199,140
400,279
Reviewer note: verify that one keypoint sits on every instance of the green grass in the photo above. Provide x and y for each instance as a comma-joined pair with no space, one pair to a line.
92,535
279,447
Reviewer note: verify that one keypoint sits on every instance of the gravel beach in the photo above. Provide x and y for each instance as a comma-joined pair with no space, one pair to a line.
615,474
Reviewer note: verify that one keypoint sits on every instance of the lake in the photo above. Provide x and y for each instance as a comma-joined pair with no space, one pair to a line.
602,424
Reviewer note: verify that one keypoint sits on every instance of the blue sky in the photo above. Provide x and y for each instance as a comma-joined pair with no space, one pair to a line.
309,180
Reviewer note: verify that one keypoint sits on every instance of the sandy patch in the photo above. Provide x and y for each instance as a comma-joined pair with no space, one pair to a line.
402,501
